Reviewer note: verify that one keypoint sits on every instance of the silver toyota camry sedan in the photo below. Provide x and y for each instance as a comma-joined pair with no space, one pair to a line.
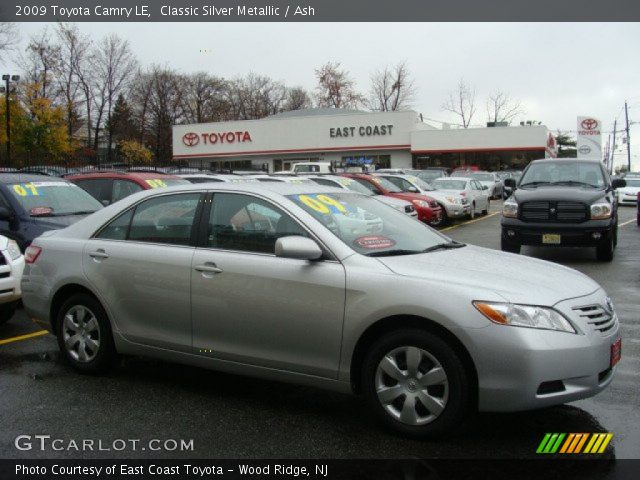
323,287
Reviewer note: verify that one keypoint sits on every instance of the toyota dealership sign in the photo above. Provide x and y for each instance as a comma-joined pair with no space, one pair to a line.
589,138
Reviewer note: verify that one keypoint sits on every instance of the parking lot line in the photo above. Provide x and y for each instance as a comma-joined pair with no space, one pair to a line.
39,333
470,221
627,223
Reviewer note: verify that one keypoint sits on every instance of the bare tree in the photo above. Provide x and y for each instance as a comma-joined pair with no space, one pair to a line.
8,38
391,89
255,96
501,108
140,95
113,65
335,89
204,98
39,64
297,99
462,103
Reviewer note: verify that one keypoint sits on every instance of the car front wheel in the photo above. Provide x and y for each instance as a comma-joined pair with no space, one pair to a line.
416,384
84,334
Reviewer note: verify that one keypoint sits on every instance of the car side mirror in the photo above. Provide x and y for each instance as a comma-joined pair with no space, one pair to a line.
484,187
106,203
413,190
6,214
295,246
510,182
618,183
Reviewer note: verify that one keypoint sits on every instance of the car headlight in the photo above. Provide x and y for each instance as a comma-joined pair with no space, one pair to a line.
420,203
601,211
14,250
510,209
524,316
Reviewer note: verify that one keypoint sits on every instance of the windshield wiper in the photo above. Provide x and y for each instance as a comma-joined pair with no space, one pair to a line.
534,184
390,253
82,212
574,182
444,246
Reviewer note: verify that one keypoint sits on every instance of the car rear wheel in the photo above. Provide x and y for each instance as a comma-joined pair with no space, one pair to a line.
509,245
604,252
416,384
84,334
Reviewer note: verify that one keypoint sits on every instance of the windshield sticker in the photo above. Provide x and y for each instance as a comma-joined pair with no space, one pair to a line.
156,183
374,242
40,211
26,189
323,204
345,181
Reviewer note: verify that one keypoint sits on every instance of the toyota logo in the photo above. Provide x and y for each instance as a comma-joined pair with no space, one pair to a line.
190,139
589,124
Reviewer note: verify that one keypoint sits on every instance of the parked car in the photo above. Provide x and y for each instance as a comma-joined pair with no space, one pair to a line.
628,195
467,188
453,205
428,209
296,298
48,170
204,177
506,190
11,267
427,175
562,202
265,178
32,204
354,186
109,187
487,179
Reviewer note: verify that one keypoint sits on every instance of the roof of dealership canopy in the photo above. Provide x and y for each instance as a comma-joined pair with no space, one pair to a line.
311,112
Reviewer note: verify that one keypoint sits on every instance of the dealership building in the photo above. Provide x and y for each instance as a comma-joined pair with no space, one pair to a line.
350,138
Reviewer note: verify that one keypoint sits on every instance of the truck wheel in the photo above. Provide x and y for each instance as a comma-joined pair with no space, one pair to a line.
84,334
604,252
416,384
6,311
509,245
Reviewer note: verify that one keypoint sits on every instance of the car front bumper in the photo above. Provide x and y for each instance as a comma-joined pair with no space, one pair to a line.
590,233
630,199
457,211
526,368
10,278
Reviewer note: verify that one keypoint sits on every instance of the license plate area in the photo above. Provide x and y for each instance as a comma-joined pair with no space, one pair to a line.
551,238
616,352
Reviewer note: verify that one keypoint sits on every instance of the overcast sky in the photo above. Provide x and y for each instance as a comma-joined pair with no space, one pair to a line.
557,70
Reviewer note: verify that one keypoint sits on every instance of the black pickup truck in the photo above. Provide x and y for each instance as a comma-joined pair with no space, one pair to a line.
562,202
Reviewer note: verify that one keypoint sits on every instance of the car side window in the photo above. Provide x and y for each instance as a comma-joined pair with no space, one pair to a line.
118,228
124,188
98,188
324,181
369,185
247,223
165,219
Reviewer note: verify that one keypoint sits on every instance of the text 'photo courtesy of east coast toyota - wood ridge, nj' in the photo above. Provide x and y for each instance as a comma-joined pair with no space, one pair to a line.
323,239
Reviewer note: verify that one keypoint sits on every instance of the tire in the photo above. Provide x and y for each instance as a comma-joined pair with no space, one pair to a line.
604,252
82,316
486,210
7,310
449,395
615,235
509,246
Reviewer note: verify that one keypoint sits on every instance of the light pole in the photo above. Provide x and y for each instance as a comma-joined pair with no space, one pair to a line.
7,91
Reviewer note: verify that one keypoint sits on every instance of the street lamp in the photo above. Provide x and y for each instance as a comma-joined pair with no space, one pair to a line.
7,91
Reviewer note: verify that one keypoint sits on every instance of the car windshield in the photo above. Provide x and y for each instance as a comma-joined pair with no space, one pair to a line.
427,175
633,182
354,186
370,227
386,184
449,184
52,199
483,177
421,184
563,172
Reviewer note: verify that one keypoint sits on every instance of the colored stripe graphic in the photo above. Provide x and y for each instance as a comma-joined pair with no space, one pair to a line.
550,443
573,443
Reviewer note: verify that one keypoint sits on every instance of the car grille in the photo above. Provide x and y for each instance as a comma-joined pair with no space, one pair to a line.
558,212
597,317
409,208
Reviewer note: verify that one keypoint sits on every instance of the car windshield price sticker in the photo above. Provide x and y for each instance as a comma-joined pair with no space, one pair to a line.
374,242
26,189
156,183
323,204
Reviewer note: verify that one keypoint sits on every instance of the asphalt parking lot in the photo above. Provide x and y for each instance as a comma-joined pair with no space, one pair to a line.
236,417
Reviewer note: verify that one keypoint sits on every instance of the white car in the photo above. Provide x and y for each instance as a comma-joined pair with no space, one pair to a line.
349,184
486,179
453,205
204,177
467,187
11,267
629,195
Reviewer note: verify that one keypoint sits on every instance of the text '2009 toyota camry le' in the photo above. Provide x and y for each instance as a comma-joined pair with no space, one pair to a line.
322,287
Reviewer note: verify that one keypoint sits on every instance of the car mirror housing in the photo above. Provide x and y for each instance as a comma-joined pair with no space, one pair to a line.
618,183
510,182
295,246
413,190
484,187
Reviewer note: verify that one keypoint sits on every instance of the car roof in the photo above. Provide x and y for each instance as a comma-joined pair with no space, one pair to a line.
19,177
466,179
116,174
557,159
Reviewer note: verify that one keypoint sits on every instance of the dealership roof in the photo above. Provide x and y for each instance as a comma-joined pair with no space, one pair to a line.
311,112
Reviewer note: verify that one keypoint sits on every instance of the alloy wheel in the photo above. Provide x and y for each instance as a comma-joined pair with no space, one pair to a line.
81,334
412,385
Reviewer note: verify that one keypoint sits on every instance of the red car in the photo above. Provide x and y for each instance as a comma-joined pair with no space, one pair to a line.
109,187
428,209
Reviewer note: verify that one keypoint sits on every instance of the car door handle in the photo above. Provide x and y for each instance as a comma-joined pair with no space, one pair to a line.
99,255
208,268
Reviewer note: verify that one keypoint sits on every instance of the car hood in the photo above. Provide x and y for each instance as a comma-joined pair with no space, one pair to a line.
392,201
409,197
54,223
442,195
516,278
558,194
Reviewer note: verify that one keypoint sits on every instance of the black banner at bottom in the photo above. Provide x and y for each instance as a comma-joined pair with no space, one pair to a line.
132,469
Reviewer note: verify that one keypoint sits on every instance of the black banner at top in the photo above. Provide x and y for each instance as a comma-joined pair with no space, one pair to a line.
319,10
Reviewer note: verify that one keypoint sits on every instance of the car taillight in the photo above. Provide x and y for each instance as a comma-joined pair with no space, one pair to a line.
31,254
464,194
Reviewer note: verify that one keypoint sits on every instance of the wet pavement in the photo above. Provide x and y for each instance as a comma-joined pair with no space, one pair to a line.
235,417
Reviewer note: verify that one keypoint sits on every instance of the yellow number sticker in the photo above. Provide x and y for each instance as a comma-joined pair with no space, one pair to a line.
333,202
314,204
156,183
26,189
